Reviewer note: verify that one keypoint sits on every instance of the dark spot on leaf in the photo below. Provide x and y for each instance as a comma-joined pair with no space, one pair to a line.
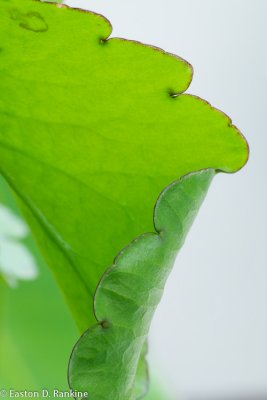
32,21
103,41
172,94
105,324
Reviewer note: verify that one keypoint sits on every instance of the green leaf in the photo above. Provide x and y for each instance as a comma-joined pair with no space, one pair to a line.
91,131
129,293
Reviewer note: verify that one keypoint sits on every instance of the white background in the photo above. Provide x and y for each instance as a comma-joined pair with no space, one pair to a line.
209,336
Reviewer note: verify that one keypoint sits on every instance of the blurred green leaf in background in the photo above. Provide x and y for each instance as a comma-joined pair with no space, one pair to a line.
36,329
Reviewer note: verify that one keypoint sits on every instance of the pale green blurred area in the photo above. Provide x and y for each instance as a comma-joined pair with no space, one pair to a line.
155,392
36,330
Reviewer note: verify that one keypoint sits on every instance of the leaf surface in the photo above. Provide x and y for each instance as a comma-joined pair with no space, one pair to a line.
129,293
91,132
